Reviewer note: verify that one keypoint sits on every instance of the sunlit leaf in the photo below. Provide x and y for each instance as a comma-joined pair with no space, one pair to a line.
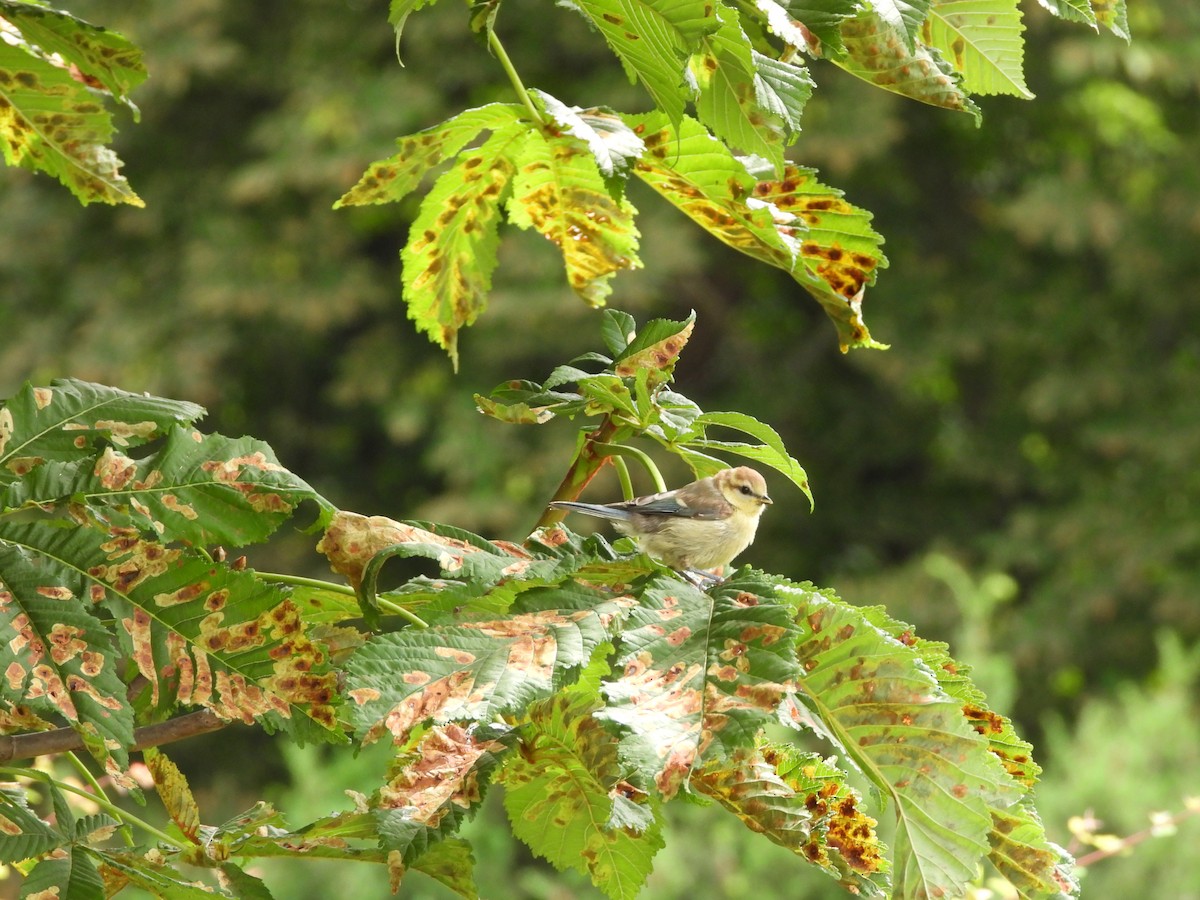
881,55
903,16
567,799
205,489
394,178
613,143
51,122
653,39
560,192
172,788
1022,854
451,250
982,38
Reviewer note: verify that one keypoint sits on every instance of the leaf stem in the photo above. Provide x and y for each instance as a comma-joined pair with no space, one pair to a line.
511,71
100,800
618,450
344,589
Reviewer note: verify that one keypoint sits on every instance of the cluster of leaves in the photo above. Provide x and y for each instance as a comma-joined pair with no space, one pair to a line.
593,684
562,170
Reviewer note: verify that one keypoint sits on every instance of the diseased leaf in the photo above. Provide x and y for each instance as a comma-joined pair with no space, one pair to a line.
1022,854
203,489
473,671
655,346
568,801
801,802
982,39
102,57
451,250
875,699
23,834
72,874
199,632
903,16
435,785
559,191
700,673
51,122
56,656
394,178
130,867
70,416
173,790
242,884
452,863
823,18
879,54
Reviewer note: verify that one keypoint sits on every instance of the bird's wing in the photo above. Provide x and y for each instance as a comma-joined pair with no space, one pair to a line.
673,504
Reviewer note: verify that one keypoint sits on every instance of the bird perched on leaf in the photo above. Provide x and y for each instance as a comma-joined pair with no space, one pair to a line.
700,526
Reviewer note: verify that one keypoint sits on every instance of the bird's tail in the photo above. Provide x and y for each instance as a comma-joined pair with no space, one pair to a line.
594,509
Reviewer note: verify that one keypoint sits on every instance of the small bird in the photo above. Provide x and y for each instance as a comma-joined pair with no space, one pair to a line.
700,526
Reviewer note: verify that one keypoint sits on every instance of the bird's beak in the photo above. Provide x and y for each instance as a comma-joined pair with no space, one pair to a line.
765,499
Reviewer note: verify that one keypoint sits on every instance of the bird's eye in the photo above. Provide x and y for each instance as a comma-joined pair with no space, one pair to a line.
745,489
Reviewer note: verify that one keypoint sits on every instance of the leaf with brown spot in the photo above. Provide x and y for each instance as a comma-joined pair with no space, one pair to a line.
882,54
172,788
70,416
434,785
55,656
392,179
559,191
50,122
476,670
875,699
451,250
700,687
1024,856
982,39
200,632
563,798
204,489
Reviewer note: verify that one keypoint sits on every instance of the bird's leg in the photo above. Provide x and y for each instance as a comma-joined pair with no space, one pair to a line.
700,578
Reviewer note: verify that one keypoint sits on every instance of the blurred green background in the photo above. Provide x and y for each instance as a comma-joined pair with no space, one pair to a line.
1017,475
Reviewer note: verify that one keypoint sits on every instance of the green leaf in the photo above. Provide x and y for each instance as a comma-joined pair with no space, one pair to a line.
400,10
1022,854
982,38
58,658
24,834
782,88
560,192
770,452
617,328
653,39
452,863
52,122
204,489
824,19
199,632
476,670
699,175
731,101
563,790
243,885
700,673
1112,14
874,698
72,876
451,250
394,178
102,56
881,55
66,419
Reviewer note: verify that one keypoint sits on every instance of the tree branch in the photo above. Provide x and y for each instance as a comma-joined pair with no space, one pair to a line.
62,740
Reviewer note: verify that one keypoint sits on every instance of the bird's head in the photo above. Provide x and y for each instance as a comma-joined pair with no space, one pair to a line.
744,488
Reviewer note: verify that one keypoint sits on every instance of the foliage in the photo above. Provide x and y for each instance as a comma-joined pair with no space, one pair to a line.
595,685
327,605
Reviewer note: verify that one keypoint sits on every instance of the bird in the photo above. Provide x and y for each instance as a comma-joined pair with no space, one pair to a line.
698,527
